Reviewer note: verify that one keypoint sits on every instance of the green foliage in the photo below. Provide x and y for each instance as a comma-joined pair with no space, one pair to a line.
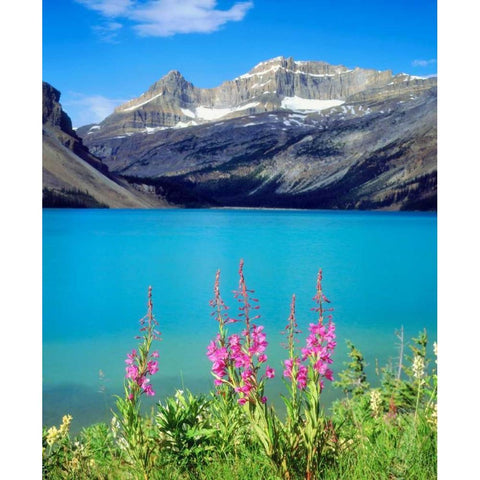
184,428
230,425
135,436
353,380
401,449
98,443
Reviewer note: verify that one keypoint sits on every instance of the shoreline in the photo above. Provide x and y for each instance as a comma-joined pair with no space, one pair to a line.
260,209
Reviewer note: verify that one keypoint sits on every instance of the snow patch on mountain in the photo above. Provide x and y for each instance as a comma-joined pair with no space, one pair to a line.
306,104
187,112
211,113
128,109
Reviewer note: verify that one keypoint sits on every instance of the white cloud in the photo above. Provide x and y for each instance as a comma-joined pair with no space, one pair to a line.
108,31
84,109
108,8
164,18
168,17
423,63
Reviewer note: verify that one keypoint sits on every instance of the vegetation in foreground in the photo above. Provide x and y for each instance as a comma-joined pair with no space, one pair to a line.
388,432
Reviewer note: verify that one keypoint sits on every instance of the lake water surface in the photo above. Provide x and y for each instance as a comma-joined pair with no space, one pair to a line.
379,270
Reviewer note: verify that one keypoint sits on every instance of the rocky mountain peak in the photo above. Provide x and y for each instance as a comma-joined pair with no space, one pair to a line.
286,65
174,74
171,86
173,77
52,114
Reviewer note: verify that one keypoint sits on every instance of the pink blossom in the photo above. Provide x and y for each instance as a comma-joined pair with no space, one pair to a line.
131,357
302,377
242,360
288,367
259,343
152,367
241,353
149,390
211,350
138,366
143,382
317,329
329,375
132,372
269,372
218,369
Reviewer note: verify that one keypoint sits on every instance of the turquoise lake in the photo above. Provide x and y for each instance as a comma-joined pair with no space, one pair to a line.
379,271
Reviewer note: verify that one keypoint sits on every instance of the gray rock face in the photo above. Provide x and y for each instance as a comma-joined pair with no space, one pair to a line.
52,113
57,124
287,133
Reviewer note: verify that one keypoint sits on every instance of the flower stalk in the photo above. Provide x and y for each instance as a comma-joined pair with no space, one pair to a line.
140,365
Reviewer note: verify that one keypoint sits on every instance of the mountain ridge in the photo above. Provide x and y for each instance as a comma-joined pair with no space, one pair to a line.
287,133
172,101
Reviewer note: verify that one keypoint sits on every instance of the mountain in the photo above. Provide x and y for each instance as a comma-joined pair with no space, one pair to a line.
288,133
72,176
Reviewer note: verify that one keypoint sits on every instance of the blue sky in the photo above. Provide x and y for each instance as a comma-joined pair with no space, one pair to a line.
100,53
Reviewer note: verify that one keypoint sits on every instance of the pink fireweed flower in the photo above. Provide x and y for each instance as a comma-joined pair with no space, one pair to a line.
294,370
219,370
211,350
302,376
319,345
138,364
246,388
288,363
131,357
259,343
269,372
149,390
234,341
152,367
241,360
321,341
145,386
301,372
317,329
132,372
237,359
